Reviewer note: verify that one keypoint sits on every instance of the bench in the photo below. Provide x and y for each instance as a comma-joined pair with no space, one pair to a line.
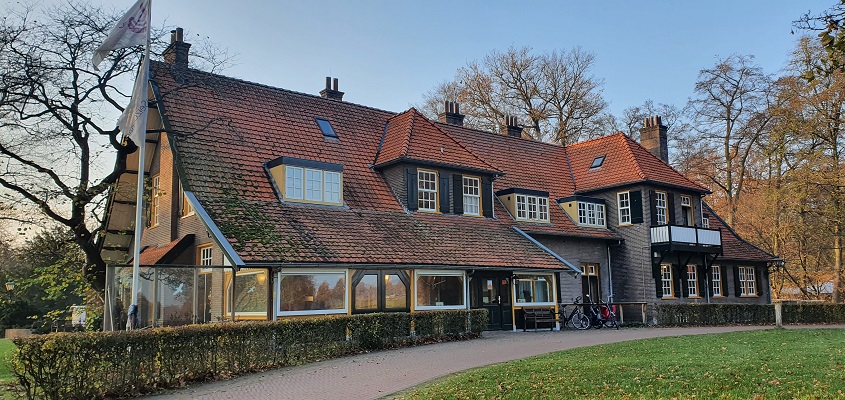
538,315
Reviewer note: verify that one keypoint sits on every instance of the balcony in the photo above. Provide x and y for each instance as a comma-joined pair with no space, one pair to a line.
686,238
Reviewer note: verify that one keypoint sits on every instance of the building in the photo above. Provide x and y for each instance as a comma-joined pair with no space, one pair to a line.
294,204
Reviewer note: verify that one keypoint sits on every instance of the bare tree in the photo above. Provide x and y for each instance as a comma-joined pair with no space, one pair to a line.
730,114
57,117
554,95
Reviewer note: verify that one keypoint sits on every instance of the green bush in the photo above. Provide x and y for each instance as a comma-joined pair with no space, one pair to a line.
104,364
727,314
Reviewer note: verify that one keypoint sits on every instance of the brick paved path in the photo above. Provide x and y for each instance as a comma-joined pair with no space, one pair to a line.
373,375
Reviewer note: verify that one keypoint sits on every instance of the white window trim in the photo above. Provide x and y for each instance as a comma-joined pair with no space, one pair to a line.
228,311
436,190
693,282
477,197
716,279
663,280
183,198
658,197
592,211
278,295
744,281
434,272
303,177
301,172
318,191
552,292
155,202
705,222
620,207
541,208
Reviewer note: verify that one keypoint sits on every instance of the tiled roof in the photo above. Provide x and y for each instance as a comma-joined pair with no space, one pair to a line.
410,135
222,146
164,254
626,161
735,248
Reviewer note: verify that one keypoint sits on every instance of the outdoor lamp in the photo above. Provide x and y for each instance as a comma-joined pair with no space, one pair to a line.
10,286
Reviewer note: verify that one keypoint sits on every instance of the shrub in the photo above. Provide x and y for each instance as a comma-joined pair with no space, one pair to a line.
100,364
726,314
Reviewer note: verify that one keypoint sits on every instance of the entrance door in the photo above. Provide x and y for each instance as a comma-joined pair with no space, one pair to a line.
493,292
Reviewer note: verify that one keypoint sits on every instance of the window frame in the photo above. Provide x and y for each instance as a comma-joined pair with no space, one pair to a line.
204,261
626,209
692,282
466,195
184,203
296,173
747,286
420,190
549,279
311,271
155,194
687,209
716,280
658,198
433,272
705,222
290,183
227,301
309,185
381,306
595,212
667,276
327,130
540,208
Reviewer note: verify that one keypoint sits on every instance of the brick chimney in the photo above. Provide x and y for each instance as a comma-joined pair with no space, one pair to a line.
653,138
511,126
177,52
331,92
452,114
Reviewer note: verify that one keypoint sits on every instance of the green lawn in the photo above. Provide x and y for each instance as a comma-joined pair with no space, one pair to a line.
770,364
6,349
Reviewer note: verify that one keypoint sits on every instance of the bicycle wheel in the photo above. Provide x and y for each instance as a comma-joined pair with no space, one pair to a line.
611,322
580,321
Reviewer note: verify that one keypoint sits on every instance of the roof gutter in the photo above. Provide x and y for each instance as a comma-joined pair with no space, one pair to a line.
548,250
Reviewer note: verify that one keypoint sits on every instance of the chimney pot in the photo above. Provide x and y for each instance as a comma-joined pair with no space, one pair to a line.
177,52
329,93
334,84
451,114
654,138
512,127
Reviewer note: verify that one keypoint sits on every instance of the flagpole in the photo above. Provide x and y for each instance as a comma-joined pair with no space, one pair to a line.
132,315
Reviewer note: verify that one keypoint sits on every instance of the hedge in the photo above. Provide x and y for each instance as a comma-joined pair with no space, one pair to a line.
727,314
115,364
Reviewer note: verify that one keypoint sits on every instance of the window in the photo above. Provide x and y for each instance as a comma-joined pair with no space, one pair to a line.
205,255
427,190
313,185
472,196
590,287
692,281
185,207
155,193
705,222
666,280
304,292
532,208
380,290
747,282
597,162
716,274
660,208
251,293
686,210
437,290
533,289
624,201
326,128
591,214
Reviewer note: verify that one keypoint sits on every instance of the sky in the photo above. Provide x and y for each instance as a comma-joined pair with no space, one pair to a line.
387,54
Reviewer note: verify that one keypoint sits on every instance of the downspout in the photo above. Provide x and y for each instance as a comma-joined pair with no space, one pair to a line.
609,276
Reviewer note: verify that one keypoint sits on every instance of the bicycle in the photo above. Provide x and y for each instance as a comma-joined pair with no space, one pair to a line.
602,314
576,319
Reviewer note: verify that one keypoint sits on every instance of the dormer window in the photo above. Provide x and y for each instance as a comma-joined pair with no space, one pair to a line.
532,208
588,211
306,181
472,195
591,214
597,162
427,190
326,128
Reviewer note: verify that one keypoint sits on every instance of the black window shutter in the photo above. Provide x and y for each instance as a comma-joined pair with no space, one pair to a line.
636,206
458,193
680,276
486,195
444,193
652,196
758,279
658,280
703,287
737,288
411,180
670,208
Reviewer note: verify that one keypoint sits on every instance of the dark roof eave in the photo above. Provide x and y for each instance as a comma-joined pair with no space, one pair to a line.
410,160
643,181
282,264
574,235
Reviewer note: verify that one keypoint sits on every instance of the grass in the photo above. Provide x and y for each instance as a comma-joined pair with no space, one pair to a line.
770,364
8,381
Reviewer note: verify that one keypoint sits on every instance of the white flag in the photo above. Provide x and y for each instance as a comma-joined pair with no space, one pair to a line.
132,30
133,121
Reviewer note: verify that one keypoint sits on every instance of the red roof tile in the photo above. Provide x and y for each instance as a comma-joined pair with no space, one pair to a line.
626,161
162,254
735,248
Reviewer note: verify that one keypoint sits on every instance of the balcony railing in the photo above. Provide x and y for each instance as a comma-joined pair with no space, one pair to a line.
674,237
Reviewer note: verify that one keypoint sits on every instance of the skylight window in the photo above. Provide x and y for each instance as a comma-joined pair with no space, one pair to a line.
327,129
597,162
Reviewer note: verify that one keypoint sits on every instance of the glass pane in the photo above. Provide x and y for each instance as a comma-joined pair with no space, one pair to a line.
251,293
366,293
204,298
447,291
532,289
395,292
175,293
313,292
